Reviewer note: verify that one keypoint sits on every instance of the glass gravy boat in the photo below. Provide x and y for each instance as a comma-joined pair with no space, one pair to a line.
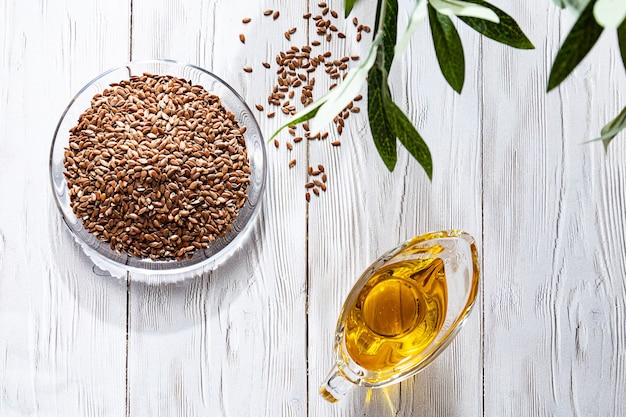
404,310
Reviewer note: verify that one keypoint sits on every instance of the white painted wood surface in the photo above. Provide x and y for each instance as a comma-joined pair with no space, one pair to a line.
548,337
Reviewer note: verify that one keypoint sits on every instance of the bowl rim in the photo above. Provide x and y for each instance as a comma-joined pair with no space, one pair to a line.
109,264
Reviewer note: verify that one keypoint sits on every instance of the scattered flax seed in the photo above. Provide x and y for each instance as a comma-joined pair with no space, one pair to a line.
358,98
297,139
309,185
315,43
355,21
270,115
306,15
336,143
268,12
334,14
266,64
320,167
247,69
322,4
276,15
316,191
289,146
292,163
246,20
276,143
287,36
242,38
324,177
308,196
259,107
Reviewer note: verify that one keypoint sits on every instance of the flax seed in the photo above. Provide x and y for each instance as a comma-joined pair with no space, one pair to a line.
275,15
139,217
246,20
292,163
247,69
268,12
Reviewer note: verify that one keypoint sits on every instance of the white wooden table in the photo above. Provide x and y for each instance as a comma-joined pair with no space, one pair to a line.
547,338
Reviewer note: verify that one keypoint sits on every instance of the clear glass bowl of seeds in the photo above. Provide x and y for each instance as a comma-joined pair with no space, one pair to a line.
158,169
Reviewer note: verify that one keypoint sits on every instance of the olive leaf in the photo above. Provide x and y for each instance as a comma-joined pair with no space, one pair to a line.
410,138
621,37
349,5
507,31
387,122
612,128
389,30
577,44
378,96
448,48
609,13
464,8
417,16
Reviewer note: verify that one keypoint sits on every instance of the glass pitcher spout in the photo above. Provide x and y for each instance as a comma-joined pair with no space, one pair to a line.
336,386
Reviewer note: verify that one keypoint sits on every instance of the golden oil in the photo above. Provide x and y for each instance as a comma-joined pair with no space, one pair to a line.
396,315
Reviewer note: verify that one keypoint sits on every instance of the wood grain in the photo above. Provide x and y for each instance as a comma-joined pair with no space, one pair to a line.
62,327
233,342
554,284
254,338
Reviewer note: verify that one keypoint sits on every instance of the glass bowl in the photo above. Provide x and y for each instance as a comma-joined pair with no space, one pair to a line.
146,269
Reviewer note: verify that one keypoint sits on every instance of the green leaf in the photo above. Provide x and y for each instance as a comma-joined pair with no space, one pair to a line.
609,13
507,31
417,16
621,37
448,48
390,32
560,3
463,8
308,113
410,138
380,125
349,5
576,46
611,130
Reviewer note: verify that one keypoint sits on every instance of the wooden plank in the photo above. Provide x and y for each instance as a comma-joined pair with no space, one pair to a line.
368,210
230,343
554,291
62,327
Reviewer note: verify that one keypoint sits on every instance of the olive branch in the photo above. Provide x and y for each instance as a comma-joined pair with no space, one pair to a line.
389,124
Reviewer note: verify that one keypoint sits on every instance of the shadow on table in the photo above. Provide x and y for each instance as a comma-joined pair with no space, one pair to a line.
167,307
